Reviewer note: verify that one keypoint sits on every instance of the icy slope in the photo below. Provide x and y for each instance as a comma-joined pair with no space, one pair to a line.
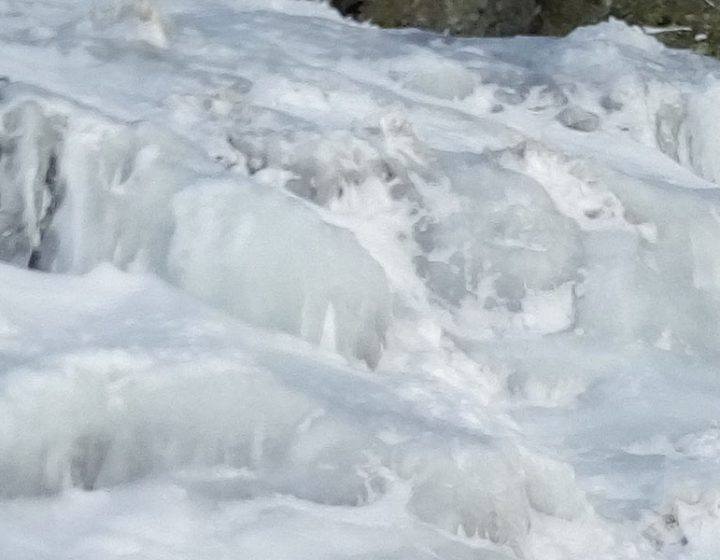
308,289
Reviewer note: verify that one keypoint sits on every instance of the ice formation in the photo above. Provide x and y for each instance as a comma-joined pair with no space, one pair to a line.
279,285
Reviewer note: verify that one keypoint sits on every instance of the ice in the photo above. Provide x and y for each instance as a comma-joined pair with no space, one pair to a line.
131,20
193,395
278,284
31,192
109,214
445,79
579,119
297,279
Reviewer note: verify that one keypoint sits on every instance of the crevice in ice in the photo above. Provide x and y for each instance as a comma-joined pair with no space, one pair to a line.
31,189
685,131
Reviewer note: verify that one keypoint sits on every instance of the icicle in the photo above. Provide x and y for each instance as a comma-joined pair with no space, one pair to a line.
328,339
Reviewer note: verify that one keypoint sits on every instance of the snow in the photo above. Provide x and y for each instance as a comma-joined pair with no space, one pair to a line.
279,285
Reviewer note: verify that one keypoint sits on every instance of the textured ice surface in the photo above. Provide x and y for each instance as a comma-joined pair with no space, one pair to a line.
304,288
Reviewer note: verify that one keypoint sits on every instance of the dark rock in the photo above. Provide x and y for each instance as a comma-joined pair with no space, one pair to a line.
691,24
492,18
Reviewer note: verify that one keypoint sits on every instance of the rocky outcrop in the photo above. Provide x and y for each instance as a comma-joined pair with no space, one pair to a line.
678,23
464,17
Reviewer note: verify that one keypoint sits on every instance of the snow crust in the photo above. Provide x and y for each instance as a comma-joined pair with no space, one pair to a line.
280,285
